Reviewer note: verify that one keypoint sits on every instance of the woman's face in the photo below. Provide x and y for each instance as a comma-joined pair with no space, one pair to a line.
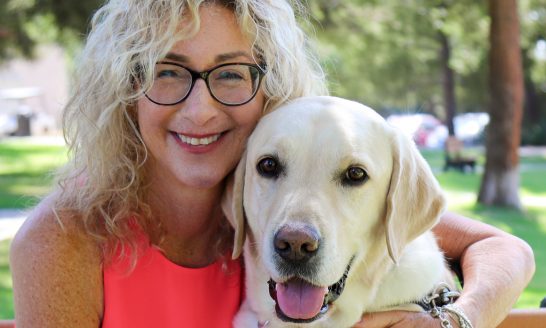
220,131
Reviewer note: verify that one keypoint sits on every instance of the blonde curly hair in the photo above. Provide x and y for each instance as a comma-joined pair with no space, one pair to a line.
104,181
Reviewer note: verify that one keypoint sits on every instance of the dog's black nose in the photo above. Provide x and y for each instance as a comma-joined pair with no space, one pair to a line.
296,243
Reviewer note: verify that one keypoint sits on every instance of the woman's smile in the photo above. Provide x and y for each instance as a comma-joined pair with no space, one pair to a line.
198,141
198,144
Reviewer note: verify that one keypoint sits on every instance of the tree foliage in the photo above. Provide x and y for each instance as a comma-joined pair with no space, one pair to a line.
383,53
25,23
387,53
13,38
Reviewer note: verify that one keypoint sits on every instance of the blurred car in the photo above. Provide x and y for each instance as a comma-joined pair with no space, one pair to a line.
428,131
425,129
470,127
8,124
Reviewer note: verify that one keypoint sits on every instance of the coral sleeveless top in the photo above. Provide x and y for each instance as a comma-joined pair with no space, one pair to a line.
159,293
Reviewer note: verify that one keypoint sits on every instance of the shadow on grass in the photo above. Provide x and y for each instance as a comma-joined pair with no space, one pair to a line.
458,182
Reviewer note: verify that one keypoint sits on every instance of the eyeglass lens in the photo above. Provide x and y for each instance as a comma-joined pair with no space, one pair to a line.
232,84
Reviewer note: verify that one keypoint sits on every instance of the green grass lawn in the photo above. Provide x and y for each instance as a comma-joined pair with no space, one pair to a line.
530,225
6,294
25,176
25,170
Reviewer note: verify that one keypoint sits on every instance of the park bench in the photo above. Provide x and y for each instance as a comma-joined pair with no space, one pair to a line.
525,318
518,318
455,157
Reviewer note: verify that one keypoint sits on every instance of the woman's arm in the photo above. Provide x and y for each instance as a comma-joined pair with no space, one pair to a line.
496,267
57,276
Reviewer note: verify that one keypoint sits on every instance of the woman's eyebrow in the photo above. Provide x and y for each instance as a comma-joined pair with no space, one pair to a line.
177,57
218,59
232,55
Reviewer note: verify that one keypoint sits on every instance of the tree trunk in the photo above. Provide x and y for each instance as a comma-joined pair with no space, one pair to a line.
500,182
448,83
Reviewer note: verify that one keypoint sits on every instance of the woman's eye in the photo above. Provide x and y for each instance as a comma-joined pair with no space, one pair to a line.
167,74
268,167
355,176
230,75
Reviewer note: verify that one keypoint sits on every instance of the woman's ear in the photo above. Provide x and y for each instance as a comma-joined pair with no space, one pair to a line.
232,205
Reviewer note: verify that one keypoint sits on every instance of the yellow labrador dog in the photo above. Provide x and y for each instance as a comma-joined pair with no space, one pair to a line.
334,208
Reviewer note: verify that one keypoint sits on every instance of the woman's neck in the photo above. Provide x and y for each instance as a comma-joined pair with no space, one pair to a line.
190,222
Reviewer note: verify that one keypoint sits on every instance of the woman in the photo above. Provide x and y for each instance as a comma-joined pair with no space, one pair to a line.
166,94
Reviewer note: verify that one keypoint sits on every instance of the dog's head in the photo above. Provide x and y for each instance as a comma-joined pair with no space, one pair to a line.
326,182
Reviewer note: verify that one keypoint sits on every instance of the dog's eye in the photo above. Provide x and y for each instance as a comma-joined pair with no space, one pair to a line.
268,167
355,176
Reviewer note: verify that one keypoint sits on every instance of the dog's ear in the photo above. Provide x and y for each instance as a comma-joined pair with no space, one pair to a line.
414,201
232,205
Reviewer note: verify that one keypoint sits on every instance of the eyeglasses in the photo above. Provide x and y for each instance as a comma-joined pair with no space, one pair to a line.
230,84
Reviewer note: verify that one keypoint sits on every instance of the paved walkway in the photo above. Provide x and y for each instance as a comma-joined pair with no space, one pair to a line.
10,221
532,151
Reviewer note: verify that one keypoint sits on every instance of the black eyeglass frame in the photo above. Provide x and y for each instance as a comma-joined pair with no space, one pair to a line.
204,76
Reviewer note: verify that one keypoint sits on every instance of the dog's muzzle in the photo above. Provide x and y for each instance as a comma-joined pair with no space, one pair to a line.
298,301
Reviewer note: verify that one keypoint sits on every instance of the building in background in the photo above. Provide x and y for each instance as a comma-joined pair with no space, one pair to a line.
33,93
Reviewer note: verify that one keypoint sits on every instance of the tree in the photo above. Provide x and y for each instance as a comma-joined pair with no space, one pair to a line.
500,182
403,55
14,41
534,70
448,82
24,23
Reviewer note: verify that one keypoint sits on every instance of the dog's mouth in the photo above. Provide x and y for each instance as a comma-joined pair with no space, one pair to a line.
298,301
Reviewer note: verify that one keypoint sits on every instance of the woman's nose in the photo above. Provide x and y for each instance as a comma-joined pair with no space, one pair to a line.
200,107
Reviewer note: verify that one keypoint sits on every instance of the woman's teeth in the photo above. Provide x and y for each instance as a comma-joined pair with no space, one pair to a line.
198,141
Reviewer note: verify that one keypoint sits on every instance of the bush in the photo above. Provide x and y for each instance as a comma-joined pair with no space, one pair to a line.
534,134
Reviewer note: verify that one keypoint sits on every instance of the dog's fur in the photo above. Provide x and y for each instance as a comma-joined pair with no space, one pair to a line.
382,225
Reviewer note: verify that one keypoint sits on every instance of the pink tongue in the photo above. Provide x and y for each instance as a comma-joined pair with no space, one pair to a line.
299,299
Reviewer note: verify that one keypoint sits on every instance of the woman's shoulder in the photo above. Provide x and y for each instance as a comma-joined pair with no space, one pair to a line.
55,266
54,230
